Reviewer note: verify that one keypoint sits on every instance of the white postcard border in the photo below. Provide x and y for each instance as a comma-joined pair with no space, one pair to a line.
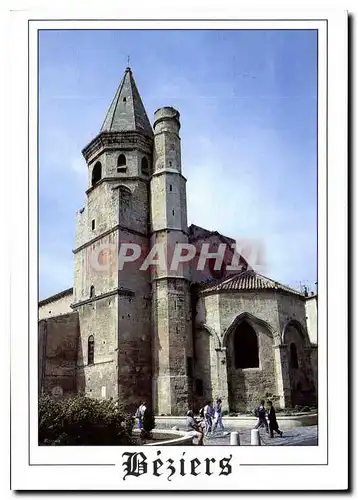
64,476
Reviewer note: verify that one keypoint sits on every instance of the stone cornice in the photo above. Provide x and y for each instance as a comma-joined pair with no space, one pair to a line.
204,293
168,171
154,231
166,131
118,291
118,179
117,140
169,278
106,233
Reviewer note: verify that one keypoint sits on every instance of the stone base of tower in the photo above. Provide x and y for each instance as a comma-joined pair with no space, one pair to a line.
171,395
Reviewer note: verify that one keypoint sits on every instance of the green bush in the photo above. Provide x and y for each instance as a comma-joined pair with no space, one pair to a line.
83,421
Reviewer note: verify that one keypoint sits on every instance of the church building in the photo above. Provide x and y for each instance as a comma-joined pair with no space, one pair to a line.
174,338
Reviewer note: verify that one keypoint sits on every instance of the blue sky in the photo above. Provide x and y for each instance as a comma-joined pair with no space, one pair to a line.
247,100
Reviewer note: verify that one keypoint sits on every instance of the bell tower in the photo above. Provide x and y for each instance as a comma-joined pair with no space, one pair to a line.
113,302
171,307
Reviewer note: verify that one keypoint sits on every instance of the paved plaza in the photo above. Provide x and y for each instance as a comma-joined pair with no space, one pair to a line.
296,436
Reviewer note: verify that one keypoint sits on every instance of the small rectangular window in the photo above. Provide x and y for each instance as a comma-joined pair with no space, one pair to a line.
170,188
93,224
173,211
189,366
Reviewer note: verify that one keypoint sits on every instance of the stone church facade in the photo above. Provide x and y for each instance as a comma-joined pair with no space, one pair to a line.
174,338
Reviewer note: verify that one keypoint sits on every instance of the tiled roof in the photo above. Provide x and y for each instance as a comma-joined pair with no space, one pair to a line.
57,296
247,281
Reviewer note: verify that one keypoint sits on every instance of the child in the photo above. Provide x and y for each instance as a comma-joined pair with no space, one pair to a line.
273,424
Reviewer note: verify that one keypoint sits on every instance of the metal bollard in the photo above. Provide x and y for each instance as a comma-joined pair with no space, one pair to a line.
255,437
234,439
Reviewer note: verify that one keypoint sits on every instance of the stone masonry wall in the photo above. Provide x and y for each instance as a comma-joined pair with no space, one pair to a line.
311,317
134,351
58,339
245,386
134,328
98,318
248,386
56,307
96,265
202,352
172,346
291,307
301,381
102,207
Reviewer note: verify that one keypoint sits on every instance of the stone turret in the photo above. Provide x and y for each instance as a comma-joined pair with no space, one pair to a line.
171,308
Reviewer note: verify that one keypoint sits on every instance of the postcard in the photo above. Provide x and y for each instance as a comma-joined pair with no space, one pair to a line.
184,183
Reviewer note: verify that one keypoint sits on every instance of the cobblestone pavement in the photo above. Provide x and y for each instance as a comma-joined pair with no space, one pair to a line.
297,436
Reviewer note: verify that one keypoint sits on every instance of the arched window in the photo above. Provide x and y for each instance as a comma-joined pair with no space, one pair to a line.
92,291
145,166
246,347
293,356
90,360
121,163
96,173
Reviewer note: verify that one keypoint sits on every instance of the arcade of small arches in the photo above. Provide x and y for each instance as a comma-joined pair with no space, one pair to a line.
248,359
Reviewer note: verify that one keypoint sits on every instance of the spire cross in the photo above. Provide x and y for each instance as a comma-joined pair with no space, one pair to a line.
128,61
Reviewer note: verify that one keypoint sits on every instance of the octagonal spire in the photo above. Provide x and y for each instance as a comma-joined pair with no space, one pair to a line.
126,112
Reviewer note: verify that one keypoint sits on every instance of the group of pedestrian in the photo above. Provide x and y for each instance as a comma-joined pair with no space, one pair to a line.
206,422
267,418
212,417
209,418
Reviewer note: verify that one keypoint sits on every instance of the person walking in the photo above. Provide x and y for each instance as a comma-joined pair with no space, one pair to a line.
208,417
193,429
218,416
273,424
260,413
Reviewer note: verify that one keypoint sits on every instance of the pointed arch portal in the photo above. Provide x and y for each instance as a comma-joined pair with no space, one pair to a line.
246,348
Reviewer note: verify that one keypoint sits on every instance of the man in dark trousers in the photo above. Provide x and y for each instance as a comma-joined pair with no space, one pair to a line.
273,424
260,413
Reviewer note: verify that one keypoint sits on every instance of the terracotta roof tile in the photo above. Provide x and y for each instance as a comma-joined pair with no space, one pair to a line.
247,281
